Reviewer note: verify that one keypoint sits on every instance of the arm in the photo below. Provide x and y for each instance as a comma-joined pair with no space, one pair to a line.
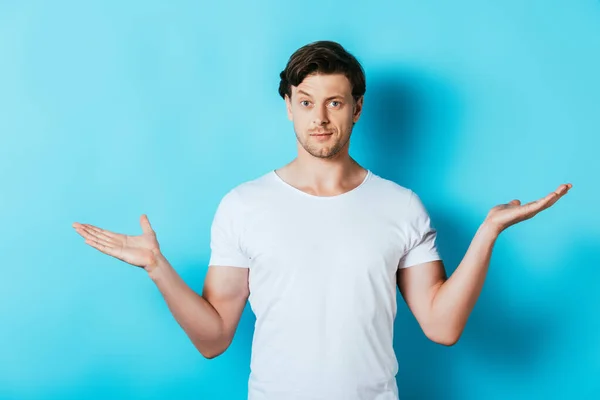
210,319
442,306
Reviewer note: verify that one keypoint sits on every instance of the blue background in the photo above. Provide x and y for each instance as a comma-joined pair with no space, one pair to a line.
110,109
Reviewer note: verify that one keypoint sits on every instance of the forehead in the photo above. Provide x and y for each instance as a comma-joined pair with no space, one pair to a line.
321,84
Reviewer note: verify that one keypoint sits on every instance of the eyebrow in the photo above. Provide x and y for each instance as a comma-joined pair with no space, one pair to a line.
300,91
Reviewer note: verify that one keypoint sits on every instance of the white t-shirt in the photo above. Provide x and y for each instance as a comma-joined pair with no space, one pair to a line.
322,282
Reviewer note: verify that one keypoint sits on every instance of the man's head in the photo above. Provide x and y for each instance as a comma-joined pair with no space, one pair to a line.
323,87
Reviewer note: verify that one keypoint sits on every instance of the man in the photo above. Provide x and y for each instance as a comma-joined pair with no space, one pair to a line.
318,247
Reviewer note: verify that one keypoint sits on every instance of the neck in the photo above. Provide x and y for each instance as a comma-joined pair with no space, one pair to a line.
323,175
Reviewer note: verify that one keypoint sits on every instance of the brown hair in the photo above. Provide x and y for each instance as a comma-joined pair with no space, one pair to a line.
324,57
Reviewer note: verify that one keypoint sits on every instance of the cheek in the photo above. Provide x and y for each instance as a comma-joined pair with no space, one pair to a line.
344,120
301,119
300,127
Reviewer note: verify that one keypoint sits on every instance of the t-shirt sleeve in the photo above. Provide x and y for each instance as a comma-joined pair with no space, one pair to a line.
226,231
421,235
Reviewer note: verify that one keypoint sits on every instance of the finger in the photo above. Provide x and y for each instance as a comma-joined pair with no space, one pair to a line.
107,235
535,207
111,251
145,223
91,236
561,190
96,240
555,196
548,201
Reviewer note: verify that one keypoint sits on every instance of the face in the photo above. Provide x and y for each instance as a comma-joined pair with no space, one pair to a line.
323,112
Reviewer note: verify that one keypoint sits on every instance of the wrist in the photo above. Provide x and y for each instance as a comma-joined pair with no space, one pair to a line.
158,267
489,230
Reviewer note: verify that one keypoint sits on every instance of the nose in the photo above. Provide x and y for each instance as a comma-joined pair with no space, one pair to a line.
320,116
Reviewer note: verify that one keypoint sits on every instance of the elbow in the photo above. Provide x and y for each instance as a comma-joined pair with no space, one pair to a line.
210,356
212,350
448,342
446,338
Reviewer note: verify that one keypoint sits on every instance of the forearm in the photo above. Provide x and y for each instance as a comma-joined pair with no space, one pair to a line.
455,298
198,318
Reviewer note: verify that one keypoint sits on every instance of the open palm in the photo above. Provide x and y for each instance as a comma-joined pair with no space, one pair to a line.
505,215
141,251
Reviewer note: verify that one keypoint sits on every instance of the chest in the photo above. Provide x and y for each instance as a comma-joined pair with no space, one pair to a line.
324,240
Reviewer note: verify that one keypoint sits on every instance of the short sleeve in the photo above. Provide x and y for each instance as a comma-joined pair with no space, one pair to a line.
225,233
421,235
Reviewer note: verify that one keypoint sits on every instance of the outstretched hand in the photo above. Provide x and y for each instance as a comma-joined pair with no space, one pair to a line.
141,251
505,215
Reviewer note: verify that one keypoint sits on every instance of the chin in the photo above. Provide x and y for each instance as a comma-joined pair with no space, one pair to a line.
328,152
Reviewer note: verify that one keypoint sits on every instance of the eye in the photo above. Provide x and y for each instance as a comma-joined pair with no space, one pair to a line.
304,101
335,103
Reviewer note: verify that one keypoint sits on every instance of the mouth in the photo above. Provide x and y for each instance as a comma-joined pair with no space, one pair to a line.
321,137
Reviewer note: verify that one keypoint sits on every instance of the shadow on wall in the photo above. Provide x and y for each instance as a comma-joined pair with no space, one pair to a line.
409,122
412,119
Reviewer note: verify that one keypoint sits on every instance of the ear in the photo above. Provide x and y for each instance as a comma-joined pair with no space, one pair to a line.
288,106
358,106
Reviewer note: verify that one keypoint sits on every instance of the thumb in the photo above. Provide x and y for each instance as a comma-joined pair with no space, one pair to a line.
145,223
515,202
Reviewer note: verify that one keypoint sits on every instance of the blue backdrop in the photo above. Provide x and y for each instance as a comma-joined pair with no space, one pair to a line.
110,110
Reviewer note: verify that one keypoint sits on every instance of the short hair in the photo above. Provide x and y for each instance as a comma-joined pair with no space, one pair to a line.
322,57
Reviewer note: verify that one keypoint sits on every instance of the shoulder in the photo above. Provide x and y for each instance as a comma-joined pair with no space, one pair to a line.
388,190
248,192
397,199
